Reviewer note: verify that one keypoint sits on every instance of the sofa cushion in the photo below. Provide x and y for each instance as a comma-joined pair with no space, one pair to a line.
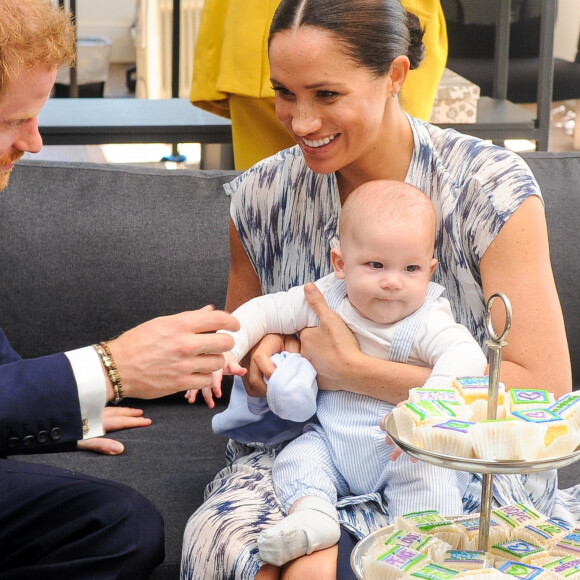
105,248
559,179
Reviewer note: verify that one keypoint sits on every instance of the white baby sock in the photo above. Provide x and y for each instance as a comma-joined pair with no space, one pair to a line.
313,525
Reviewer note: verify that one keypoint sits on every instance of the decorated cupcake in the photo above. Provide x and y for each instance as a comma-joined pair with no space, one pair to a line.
524,399
451,437
507,440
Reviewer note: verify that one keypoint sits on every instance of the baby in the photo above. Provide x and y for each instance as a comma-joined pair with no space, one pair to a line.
381,288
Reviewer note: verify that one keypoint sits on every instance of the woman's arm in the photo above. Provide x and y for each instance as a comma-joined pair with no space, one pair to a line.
243,285
517,263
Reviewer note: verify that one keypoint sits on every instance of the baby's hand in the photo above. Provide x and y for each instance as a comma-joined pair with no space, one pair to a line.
231,367
397,451
208,392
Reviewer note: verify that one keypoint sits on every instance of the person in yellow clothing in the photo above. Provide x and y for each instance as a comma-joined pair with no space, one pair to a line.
231,74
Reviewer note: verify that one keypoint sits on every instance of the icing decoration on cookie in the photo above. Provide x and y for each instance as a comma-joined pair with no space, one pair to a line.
516,514
537,416
530,397
413,540
519,570
569,543
544,531
473,388
566,405
518,550
401,558
434,572
466,559
566,567
425,393
424,516
428,410
455,425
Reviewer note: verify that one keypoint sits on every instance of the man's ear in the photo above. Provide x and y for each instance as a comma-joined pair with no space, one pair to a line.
337,262
434,263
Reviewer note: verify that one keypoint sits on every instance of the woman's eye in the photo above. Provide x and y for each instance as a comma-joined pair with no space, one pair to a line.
412,268
327,95
282,92
376,265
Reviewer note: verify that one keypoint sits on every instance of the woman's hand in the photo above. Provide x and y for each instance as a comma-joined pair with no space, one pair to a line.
330,347
114,419
260,364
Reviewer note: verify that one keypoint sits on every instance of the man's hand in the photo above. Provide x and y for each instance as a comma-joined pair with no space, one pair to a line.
175,353
114,419
330,346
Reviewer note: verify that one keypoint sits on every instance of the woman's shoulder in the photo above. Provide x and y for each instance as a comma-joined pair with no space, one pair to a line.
467,157
269,172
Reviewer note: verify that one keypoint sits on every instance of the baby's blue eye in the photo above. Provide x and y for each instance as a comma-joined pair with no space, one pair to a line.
376,265
412,268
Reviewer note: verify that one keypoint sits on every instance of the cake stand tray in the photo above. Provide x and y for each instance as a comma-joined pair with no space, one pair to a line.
363,545
478,465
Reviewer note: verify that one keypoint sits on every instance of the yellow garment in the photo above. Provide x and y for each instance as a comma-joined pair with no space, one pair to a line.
420,88
231,58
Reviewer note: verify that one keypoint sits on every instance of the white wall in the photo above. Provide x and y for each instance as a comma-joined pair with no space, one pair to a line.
567,29
111,18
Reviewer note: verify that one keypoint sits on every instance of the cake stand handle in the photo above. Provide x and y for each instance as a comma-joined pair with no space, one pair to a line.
495,344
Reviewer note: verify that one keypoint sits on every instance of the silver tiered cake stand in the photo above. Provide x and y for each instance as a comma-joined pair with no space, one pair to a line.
486,468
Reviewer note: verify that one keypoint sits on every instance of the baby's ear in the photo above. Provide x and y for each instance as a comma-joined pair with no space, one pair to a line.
434,263
337,262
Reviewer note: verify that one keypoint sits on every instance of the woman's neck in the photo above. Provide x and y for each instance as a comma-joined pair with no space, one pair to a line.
389,161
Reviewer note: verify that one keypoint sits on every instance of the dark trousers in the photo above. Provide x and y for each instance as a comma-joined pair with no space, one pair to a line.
57,524
346,545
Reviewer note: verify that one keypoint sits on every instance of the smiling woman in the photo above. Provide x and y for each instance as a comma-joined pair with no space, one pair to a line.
232,75
337,93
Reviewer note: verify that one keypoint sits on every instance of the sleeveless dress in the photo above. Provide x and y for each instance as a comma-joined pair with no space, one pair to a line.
287,217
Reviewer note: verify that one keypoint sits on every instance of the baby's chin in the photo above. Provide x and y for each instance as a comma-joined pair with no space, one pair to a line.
375,315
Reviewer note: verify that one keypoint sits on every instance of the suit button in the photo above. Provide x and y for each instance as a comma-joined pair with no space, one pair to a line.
55,433
42,436
28,441
13,442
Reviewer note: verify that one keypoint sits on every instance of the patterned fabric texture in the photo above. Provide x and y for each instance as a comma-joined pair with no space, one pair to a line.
287,219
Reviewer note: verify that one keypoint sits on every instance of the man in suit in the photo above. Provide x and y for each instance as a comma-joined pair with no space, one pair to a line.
54,523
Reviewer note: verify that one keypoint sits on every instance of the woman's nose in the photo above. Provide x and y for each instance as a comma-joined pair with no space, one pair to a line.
305,121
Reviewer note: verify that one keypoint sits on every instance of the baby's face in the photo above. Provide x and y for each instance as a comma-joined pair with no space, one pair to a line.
387,269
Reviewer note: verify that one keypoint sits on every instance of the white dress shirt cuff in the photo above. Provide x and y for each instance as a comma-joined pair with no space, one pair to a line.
92,388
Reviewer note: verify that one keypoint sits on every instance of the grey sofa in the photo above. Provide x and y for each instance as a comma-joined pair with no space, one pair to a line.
90,250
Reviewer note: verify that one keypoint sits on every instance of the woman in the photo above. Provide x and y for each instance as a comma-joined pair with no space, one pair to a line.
231,75
337,69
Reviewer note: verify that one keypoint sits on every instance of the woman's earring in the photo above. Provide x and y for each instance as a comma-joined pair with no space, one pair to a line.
394,95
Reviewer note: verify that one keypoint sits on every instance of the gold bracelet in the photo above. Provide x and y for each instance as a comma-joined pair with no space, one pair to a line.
109,362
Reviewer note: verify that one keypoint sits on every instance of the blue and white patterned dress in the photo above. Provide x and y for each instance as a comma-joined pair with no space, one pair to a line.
287,217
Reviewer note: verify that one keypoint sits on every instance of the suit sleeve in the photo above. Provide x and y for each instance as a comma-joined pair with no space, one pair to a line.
39,403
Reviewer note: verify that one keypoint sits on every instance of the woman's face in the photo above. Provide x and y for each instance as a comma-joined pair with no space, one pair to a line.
334,108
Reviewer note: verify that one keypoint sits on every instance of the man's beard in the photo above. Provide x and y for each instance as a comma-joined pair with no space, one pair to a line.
7,159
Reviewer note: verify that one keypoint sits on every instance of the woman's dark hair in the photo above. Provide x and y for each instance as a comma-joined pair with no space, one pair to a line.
372,32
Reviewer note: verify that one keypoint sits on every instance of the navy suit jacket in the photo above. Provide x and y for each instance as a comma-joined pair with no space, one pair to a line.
39,403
